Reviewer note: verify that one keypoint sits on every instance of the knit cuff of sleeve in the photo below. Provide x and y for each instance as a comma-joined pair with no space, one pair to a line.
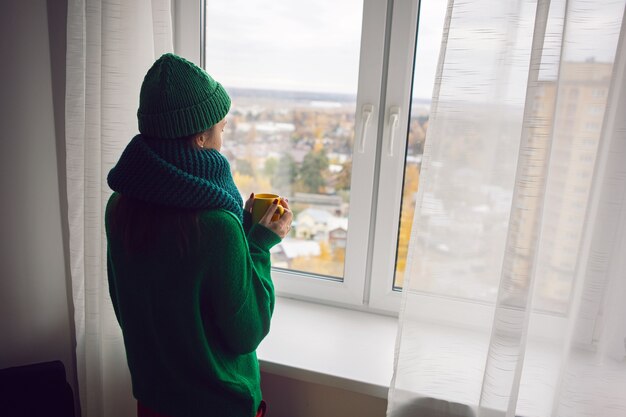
247,221
263,237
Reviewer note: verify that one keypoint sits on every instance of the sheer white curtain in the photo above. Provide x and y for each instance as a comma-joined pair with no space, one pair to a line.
515,298
110,46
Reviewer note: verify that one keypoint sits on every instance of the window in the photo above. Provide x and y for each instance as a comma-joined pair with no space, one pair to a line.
571,109
598,92
592,127
291,127
596,109
311,121
587,157
401,159
331,107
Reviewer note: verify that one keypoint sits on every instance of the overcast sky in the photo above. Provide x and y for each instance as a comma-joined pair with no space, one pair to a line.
314,45
308,45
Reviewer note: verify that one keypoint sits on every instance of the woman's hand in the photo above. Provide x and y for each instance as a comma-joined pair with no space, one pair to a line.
249,203
282,226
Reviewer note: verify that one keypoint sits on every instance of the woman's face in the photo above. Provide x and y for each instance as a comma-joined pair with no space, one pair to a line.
212,138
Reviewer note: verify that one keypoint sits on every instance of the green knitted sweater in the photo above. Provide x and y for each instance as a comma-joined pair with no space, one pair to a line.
191,326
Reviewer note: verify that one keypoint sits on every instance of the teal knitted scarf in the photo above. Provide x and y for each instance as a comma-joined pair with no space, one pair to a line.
168,172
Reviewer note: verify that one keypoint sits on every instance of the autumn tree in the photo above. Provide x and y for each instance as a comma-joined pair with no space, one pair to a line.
314,165
285,174
411,183
247,184
343,177
244,167
271,164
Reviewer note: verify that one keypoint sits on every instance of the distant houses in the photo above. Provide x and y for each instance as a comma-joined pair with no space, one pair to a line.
337,238
313,228
321,225
290,248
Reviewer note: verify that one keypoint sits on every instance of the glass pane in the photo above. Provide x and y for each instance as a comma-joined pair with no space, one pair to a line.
430,29
569,104
291,69
474,171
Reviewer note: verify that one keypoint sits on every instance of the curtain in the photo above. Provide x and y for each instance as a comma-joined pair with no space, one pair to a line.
110,46
514,302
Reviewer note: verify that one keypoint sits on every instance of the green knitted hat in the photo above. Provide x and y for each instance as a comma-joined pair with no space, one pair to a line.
179,99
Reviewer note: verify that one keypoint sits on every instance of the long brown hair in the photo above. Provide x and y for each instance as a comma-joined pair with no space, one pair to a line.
140,225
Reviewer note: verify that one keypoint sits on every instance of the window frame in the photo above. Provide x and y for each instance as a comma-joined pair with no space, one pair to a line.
187,36
403,37
351,289
369,270
368,283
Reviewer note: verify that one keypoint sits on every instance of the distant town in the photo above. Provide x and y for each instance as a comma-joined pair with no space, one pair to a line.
299,145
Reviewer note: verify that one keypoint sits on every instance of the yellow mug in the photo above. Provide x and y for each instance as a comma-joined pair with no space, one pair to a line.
262,203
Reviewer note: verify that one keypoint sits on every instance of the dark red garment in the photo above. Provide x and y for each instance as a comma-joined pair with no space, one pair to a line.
143,411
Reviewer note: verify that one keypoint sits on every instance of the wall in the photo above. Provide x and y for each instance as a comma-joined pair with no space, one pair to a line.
288,397
35,315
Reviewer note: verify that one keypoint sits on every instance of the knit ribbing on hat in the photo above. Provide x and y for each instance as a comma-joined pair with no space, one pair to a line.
171,173
179,99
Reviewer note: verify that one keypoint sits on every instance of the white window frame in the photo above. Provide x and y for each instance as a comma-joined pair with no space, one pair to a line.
351,290
403,36
367,269
384,87
187,34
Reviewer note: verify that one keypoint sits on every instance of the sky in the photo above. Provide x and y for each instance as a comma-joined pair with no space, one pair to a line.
308,45
314,45
277,44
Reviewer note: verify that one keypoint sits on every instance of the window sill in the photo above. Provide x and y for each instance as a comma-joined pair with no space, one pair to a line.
354,350
332,346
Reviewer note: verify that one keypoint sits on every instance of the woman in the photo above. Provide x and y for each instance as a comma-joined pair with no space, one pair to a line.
189,275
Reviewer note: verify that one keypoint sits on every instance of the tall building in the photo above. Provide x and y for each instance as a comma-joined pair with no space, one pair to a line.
575,114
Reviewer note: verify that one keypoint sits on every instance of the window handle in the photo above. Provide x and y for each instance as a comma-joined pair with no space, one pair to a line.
366,114
394,119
